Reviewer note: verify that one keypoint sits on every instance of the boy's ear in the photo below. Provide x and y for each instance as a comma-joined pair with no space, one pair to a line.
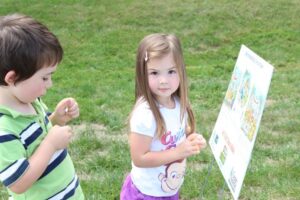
10,77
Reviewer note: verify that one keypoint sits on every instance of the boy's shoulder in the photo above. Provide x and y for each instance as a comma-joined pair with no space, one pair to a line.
13,121
7,122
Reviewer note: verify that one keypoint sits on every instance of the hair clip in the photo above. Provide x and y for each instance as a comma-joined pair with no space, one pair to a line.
146,57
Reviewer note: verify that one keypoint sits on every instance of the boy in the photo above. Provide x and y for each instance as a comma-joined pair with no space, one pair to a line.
34,162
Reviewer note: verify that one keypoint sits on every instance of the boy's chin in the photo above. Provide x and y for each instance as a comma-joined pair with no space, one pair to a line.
41,96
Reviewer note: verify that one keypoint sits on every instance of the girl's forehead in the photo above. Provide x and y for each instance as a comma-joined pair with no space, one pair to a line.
166,60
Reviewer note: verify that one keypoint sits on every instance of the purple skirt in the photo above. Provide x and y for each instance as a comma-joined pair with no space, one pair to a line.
130,192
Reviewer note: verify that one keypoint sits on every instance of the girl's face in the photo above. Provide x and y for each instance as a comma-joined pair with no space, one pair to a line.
163,78
28,90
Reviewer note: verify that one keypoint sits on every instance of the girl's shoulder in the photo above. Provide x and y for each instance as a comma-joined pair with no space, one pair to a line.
142,119
141,106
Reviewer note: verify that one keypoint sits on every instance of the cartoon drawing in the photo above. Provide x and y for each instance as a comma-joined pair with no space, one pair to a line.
223,155
252,114
216,138
244,89
173,177
242,94
233,87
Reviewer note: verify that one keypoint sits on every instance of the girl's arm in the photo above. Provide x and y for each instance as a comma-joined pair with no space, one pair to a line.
143,157
58,138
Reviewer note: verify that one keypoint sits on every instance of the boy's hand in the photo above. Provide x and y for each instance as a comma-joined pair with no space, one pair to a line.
66,110
58,137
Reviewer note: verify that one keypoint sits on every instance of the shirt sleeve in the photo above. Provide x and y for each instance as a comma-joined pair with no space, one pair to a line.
13,161
142,121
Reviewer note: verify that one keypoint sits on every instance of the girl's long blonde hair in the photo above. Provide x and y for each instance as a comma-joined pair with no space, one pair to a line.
156,46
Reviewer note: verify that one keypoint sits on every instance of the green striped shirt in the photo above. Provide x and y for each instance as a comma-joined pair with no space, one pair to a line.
20,135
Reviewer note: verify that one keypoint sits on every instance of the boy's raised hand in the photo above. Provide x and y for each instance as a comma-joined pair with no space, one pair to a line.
66,110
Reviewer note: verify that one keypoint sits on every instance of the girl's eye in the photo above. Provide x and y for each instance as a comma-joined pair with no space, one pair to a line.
172,71
153,73
45,79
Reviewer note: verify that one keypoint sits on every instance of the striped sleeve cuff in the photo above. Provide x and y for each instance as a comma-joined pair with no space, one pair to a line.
6,137
14,171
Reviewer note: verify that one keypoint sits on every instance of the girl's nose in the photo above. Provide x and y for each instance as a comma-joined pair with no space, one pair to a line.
163,80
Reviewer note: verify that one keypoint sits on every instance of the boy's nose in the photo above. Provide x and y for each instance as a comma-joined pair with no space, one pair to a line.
49,84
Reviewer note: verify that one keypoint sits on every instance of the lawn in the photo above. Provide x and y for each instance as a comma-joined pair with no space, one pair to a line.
100,39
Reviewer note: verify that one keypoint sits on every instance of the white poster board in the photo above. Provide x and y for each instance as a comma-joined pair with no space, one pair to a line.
235,131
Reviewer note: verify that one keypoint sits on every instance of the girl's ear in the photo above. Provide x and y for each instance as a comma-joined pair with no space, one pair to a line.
10,77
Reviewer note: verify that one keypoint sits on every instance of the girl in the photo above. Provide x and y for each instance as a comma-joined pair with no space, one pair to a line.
161,124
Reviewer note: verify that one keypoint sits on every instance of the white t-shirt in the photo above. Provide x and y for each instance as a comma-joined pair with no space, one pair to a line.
164,180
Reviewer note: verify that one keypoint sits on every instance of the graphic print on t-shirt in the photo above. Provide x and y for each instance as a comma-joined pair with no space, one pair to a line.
172,179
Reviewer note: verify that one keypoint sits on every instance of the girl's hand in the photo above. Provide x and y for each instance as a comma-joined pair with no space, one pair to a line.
66,110
199,139
192,145
58,137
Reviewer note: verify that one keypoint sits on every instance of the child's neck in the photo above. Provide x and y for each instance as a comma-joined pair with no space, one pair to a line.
8,100
167,102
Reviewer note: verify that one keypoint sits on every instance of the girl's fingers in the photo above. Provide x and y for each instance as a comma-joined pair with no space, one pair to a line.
192,136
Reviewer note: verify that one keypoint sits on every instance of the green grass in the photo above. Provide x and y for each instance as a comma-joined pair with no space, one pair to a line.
100,39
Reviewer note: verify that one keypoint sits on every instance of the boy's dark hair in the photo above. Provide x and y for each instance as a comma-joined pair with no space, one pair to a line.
26,46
